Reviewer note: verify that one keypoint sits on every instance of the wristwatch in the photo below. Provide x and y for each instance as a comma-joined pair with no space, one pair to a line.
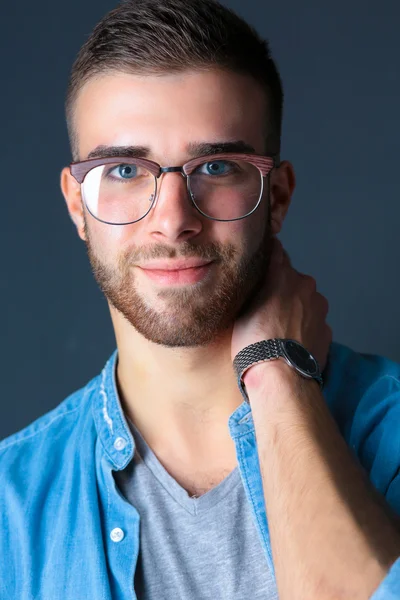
291,351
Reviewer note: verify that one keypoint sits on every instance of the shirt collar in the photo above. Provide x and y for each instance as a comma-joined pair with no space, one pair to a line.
111,424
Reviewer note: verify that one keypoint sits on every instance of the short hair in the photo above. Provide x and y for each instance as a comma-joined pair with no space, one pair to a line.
156,37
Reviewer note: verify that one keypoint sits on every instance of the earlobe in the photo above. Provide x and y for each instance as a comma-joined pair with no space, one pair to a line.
283,183
72,193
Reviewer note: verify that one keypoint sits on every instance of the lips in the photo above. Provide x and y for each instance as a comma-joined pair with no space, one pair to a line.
176,265
180,276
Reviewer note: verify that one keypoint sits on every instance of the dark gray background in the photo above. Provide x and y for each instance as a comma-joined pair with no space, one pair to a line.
339,63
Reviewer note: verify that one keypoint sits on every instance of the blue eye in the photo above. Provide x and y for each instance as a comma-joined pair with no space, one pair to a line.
215,167
126,171
123,171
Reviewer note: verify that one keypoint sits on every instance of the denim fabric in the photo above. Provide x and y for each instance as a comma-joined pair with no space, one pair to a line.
66,531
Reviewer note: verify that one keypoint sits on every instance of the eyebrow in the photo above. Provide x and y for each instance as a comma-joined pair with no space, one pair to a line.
195,149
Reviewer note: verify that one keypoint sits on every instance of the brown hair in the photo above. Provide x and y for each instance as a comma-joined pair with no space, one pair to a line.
154,37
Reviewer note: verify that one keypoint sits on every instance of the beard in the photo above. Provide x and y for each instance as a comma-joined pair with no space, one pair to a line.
193,315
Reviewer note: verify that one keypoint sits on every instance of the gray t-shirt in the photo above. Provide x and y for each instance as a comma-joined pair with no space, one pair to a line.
193,548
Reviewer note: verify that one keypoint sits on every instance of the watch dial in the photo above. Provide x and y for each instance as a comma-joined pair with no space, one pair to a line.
301,358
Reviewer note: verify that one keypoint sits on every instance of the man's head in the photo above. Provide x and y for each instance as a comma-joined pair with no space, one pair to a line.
166,75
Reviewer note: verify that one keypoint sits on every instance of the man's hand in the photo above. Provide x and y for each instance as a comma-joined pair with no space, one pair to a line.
288,306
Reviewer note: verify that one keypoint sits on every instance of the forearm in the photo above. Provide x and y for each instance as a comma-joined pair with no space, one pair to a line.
332,535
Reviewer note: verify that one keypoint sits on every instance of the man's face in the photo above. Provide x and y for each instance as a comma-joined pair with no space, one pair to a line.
166,114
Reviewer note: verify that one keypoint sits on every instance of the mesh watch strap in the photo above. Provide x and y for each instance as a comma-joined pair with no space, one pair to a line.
261,352
253,354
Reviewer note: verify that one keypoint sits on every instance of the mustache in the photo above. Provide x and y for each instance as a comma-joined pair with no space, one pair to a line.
213,251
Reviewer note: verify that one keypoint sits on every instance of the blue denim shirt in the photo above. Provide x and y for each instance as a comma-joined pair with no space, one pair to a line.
66,531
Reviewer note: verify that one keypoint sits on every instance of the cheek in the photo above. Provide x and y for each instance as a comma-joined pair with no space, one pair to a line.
245,236
255,232
107,241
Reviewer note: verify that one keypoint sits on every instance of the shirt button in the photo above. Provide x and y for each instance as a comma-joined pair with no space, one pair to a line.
117,534
120,443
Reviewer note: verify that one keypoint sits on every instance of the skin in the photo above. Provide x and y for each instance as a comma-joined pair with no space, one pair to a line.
190,387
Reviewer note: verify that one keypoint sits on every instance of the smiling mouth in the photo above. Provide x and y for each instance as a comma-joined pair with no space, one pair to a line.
183,276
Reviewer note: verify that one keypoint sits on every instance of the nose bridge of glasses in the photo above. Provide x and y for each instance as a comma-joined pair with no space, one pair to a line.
169,170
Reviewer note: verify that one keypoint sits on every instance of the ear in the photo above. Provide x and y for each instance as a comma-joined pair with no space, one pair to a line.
282,184
71,190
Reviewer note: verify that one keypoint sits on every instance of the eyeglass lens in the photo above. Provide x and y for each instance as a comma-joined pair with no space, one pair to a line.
123,193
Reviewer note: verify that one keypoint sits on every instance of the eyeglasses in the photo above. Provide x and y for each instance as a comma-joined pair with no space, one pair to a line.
223,187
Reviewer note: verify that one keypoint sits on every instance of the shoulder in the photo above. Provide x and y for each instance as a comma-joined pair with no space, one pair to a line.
46,474
34,447
357,383
351,367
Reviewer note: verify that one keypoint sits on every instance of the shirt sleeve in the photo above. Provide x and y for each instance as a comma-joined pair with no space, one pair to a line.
389,589
375,437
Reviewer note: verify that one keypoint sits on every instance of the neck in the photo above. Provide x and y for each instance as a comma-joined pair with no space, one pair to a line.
178,396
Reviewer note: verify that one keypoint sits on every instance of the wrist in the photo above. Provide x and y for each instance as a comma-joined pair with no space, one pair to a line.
268,373
273,375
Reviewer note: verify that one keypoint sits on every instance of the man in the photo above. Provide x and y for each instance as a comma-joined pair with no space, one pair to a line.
204,461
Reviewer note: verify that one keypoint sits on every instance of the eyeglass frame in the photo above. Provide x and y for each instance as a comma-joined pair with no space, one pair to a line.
264,163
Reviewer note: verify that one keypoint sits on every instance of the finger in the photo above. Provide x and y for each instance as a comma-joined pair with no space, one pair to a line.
324,305
310,282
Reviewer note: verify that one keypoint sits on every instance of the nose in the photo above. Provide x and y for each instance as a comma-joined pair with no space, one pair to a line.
173,215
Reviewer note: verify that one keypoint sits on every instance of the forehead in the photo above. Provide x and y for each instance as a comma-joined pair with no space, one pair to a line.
167,112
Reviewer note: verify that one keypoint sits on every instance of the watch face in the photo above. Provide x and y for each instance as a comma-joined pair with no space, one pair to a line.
300,358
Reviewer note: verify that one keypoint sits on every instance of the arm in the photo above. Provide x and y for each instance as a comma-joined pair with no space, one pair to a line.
332,534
